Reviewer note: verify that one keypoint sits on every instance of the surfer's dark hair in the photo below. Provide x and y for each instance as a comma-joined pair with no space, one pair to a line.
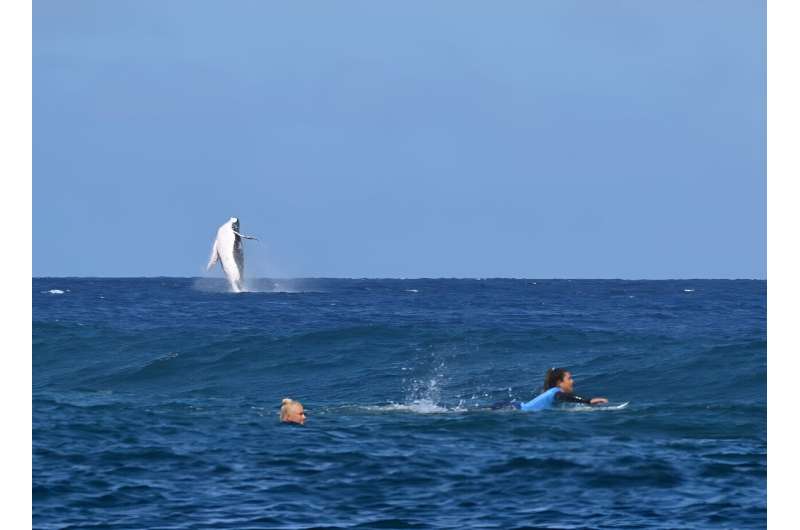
553,377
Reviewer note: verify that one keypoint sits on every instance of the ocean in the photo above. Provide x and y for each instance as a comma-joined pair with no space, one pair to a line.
155,404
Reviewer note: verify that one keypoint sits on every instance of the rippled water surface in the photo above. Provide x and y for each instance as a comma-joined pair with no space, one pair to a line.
155,404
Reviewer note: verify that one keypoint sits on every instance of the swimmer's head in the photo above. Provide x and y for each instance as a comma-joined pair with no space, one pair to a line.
558,377
292,411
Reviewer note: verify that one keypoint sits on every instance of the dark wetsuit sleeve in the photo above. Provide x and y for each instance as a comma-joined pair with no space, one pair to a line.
566,397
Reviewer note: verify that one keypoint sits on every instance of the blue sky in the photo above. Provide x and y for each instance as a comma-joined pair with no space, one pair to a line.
588,139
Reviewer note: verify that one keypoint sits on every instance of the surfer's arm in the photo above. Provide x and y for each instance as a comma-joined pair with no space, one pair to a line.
566,397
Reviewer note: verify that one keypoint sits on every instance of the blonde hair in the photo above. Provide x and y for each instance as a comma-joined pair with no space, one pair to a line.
286,404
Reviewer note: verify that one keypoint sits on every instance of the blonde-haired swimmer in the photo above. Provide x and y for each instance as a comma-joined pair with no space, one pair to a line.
292,411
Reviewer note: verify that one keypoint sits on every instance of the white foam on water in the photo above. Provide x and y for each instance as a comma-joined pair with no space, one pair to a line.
688,290
211,285
55,291
252,285
423,396
412,290
419,406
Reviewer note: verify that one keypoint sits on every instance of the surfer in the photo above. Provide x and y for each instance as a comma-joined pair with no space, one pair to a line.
558,388
292,411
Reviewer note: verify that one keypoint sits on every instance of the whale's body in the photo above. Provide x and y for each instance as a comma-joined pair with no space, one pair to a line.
227,249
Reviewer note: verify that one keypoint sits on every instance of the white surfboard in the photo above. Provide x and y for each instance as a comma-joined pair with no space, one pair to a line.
591,408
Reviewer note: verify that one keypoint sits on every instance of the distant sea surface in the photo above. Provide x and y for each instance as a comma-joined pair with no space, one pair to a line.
155,404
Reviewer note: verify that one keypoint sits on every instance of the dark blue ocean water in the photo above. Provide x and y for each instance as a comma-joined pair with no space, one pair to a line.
155,404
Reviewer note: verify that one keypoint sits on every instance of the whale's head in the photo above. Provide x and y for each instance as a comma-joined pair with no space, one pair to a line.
234,221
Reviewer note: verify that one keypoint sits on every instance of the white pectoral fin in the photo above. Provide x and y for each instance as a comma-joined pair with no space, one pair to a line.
243,236
214,257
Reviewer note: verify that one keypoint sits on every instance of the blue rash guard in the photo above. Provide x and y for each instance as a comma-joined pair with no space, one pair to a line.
545,400
548,399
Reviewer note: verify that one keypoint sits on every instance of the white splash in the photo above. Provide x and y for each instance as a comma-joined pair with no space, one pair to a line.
419,406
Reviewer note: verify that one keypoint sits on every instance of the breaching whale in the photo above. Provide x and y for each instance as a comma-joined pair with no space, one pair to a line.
227,249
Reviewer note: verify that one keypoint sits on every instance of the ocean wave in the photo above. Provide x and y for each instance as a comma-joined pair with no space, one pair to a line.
160,402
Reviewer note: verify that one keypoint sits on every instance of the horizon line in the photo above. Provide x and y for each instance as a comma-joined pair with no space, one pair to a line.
399,278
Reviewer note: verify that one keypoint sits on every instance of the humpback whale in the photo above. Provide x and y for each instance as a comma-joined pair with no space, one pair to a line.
227,249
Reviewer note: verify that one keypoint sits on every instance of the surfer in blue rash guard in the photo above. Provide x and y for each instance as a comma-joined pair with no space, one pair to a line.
558,388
